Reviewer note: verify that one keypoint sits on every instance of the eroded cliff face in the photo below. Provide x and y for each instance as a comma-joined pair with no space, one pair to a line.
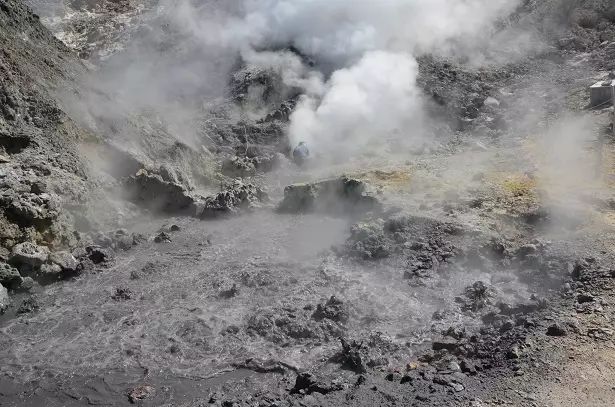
42,168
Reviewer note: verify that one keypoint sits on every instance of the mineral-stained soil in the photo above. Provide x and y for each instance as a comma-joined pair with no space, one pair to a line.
139,268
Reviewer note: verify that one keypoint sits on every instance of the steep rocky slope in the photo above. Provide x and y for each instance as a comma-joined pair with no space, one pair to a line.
42,169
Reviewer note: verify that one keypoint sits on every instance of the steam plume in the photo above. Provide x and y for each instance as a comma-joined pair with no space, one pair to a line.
366,50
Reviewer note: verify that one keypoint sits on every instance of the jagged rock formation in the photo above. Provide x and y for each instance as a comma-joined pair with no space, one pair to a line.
41,168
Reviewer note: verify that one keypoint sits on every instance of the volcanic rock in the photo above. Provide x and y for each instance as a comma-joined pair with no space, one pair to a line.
353,356
66,261
236,197
368,240
243,166
140,393
307,383
9,276
557,329
29,305
30,209
29,254
26,284
162,237
96,255
338,196
119,239
477,296
334,309
60,265
152,191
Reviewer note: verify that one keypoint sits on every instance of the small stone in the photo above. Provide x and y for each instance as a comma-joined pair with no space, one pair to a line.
334,309
162,237
27,283
468,367
66,261
50,271
122,294
406,379
455,332
140,393
29,305
362,379
229,293
38,187
9,276
96,254
457,387
557,329
585,298
513,353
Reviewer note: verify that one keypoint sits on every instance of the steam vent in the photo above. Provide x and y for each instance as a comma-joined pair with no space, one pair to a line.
307,203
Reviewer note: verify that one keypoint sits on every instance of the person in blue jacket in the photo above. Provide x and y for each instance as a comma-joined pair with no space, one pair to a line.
301,153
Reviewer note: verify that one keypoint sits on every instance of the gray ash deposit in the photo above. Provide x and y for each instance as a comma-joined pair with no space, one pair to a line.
448,240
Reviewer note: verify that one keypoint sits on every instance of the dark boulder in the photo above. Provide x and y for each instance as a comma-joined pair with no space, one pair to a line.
152,191
353,356
334,310
9,276
307,383
557,329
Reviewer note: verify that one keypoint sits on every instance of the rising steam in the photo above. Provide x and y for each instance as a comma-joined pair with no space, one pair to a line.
352,61
362,88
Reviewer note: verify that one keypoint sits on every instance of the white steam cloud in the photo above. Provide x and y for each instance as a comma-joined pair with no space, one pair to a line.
376,96
353,61
365,48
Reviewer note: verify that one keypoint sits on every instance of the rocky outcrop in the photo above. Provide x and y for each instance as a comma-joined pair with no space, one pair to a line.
336,196
152,191
239,166
41,171
29,254
31,260
236,197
